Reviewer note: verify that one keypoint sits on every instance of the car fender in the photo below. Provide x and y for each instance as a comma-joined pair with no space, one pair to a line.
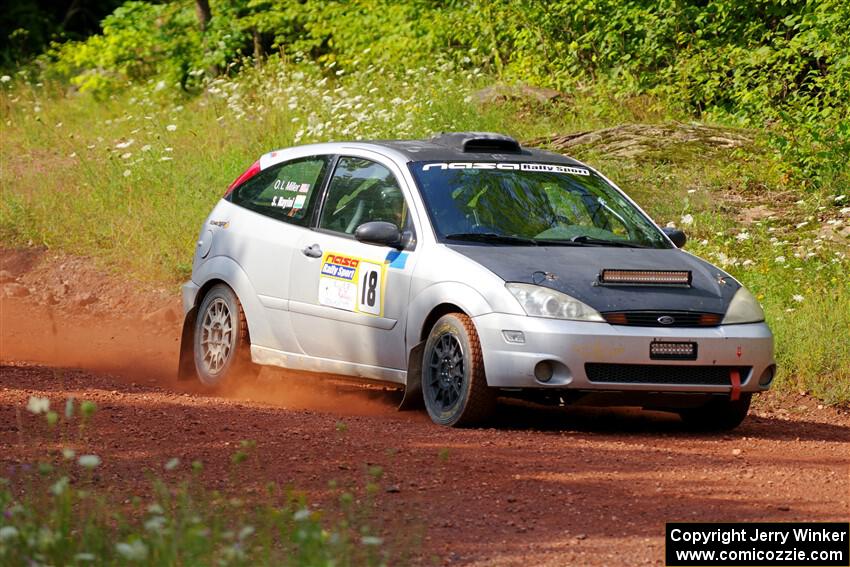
467,298
229,271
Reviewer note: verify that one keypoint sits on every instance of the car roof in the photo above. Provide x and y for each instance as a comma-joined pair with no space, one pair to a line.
470,146
449,147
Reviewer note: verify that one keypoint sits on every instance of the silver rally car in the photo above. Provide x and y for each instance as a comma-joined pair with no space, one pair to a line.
463,268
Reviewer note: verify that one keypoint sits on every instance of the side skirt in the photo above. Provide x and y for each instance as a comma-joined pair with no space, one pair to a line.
273,357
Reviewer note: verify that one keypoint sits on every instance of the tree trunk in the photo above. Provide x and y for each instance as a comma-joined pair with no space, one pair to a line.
202,7
259,52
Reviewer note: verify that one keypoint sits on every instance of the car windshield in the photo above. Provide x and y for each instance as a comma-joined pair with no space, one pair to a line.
507,203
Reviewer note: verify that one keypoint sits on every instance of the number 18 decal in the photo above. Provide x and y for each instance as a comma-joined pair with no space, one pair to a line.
370,288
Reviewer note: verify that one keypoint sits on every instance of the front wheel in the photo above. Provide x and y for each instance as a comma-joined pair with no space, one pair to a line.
221,345
454,386
721,414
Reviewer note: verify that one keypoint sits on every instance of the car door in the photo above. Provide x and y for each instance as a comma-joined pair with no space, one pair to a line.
274,210
348,299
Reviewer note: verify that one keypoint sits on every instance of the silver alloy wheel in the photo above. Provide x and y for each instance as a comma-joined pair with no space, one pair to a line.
216,336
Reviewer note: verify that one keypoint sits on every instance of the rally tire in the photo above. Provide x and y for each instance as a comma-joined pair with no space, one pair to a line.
221,344
454,386
720,414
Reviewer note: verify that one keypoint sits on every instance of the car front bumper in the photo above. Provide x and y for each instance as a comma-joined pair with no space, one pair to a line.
624,353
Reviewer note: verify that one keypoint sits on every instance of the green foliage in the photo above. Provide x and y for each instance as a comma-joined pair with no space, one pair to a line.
785,64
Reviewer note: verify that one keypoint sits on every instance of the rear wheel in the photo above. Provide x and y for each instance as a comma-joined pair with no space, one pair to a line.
721,414
454,386
221,345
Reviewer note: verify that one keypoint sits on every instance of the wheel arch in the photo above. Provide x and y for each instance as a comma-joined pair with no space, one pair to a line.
435,301
425,309
434,316
223,270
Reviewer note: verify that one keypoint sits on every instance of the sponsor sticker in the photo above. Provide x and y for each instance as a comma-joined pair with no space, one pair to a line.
351,283
299,202
282,202
509,166
397,259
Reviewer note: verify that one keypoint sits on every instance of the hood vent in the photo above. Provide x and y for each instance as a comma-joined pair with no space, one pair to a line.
666,278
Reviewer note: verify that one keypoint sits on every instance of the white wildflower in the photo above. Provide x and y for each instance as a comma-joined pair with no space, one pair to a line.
8,532
88,461
671,224
146,148
168,150
798,298
172,464
845,211
687,219
5,79
301,515
371,540
58,487
246,531
171,127
68,453
840,198
159,86
166,158
801,224
134,551
126,173
742,236
126,144
126,155
38,405
779,259
748,263
155,524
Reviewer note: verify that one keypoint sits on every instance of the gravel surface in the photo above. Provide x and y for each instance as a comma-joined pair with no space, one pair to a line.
541,486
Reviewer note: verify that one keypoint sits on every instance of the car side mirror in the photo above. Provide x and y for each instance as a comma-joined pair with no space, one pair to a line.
381,233
677,236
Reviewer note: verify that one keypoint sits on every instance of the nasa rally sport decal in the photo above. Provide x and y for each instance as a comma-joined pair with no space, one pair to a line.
351,283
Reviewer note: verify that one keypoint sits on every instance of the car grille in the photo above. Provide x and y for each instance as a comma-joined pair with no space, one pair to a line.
663,374
651,318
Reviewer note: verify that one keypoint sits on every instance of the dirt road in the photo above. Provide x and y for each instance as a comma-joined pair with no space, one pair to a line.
543,486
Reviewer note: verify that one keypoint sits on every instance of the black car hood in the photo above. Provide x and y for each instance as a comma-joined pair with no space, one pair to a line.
575,271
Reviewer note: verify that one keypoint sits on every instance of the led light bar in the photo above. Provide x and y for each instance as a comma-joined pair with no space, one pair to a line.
672,350
645,277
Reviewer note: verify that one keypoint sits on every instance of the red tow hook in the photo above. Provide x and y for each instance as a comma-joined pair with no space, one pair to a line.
735,377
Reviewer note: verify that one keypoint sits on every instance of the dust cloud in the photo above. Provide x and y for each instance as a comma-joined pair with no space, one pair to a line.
135,350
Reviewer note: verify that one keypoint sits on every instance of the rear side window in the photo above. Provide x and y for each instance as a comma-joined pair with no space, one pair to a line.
286,191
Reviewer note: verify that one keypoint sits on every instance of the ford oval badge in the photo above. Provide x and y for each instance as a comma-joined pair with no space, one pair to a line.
666,320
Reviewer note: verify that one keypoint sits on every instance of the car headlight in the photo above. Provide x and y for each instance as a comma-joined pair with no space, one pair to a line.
539,301
744,308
